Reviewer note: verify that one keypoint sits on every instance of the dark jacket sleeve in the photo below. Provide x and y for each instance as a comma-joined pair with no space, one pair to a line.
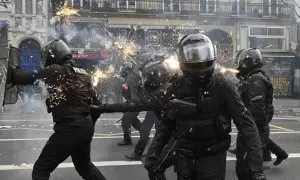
164,128
244,123
23,77
257,91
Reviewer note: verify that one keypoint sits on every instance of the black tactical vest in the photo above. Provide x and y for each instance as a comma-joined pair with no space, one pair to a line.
268,101
70,91
208,122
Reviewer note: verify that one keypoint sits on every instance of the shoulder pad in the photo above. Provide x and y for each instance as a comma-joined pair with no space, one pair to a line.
226,79
258,76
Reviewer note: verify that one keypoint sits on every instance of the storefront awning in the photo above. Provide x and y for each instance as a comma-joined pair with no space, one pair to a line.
278,54
90,54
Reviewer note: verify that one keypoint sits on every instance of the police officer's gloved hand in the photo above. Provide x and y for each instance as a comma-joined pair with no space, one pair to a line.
258,175
150,166
149,162
95,112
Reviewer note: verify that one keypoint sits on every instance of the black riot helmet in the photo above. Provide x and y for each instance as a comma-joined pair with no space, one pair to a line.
248,59
55,52
197,56
155,74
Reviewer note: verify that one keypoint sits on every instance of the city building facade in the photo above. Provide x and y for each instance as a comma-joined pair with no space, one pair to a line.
5,9
28,30
269,25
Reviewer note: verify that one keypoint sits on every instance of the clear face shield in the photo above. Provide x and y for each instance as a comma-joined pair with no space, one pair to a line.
198,52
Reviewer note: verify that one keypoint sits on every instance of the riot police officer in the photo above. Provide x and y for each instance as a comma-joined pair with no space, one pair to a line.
70,96
131,91
201,133
256,92
155,75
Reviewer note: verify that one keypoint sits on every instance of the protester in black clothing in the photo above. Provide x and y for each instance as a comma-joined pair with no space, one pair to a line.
256,92
201,127
70,96
131,91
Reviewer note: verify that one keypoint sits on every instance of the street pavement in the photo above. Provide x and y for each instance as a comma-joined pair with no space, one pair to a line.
22,138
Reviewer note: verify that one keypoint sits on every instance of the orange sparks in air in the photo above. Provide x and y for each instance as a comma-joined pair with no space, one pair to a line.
226,70
99,76
63,14
126,49
65,10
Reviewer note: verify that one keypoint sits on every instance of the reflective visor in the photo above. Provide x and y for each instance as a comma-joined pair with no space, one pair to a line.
198,52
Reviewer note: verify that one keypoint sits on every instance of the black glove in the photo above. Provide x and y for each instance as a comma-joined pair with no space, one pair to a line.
95,113
150,166
258,175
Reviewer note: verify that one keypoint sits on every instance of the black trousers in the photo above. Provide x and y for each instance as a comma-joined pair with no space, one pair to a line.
274,148
241,167
145,130
208,167
128,119
73,138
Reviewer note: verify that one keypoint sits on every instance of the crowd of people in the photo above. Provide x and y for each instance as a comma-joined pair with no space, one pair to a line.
192,111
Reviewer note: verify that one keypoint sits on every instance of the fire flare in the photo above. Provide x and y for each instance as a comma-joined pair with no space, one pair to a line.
63,14
173,63
226,70
99,76
126,49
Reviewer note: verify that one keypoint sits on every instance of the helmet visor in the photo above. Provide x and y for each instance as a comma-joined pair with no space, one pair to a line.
198,52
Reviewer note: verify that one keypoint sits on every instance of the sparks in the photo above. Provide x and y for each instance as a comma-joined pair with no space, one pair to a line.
173,62
226,70
126,49
99,76
63,14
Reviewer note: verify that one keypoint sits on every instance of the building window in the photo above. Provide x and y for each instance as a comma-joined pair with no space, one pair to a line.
266,6
18,7
203,5
153,38
86,4
76,4
39,7
171,5
28,22
28,4
127,5
267,38
18,22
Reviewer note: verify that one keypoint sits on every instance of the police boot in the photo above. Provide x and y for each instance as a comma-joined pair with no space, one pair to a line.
138,151
280,157
232,151
126,141
267,155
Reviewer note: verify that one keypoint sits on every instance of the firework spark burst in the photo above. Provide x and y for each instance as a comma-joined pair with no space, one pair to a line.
173,62
126,49
99,75
225,70
63,14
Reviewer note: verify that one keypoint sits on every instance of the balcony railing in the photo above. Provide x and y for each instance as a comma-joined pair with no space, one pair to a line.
186,7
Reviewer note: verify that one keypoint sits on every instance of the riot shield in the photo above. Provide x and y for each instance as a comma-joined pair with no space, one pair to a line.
10,94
